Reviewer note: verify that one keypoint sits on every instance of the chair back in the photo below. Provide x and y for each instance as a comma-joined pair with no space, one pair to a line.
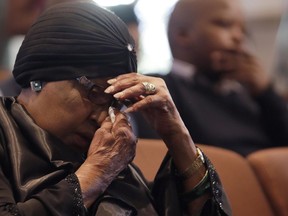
240,182
270,166
242,187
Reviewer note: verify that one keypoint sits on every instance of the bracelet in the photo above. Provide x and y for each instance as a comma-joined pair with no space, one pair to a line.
195,166
200,189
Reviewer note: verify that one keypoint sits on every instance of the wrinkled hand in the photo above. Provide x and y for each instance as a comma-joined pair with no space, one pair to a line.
112,148
242,67
157,107
113,145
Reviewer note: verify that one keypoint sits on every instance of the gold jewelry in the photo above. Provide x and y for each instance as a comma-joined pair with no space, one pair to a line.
194,167
150,88
200,189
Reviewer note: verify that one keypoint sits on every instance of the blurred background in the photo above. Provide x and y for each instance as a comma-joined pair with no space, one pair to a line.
267,25
263,19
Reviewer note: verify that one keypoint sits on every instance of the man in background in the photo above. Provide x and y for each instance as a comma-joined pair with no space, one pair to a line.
224,96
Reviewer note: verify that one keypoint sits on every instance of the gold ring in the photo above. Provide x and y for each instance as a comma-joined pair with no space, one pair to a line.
150,88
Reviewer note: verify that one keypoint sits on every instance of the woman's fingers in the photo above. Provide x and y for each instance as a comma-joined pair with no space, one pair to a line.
114,138
133,86
149,95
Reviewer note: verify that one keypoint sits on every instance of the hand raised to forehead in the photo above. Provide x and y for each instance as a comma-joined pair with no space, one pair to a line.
150,96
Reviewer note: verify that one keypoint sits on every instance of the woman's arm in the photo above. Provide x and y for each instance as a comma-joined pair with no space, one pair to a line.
159,109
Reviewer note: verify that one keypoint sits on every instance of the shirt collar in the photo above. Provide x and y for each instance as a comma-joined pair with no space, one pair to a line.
187,71
183,69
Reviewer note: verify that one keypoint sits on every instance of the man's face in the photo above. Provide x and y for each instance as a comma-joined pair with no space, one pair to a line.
219,28
69,114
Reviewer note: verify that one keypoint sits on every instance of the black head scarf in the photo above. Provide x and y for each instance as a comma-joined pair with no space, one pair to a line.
76,39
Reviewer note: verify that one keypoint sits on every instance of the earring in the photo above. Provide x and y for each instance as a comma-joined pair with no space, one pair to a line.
36,86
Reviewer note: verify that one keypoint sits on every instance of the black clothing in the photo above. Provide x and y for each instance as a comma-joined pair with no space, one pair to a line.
75,39
37,177
234,120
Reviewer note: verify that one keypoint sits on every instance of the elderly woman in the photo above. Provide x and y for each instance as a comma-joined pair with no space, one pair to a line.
66,145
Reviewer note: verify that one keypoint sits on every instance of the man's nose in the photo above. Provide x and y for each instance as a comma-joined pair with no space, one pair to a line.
238,35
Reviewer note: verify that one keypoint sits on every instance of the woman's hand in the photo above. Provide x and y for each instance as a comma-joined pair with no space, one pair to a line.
113,144
157,106
159,109
112,148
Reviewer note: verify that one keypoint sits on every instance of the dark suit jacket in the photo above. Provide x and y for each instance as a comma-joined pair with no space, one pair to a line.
235,121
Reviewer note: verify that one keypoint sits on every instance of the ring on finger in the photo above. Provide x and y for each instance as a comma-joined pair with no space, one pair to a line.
150,88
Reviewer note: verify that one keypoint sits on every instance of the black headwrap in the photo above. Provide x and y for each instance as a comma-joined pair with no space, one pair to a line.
76,39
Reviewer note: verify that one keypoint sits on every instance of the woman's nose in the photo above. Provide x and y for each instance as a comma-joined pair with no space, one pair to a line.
98,116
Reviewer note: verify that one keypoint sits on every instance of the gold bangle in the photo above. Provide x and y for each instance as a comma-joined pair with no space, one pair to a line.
199,190
195,166
202,180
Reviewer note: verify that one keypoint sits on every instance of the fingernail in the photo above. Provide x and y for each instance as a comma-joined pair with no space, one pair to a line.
111,81
109,89
118,95
111,114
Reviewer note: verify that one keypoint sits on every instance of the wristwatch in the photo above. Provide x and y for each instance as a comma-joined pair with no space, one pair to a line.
194,167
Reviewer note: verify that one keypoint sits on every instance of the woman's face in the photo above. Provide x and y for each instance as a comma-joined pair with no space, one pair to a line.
69,113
